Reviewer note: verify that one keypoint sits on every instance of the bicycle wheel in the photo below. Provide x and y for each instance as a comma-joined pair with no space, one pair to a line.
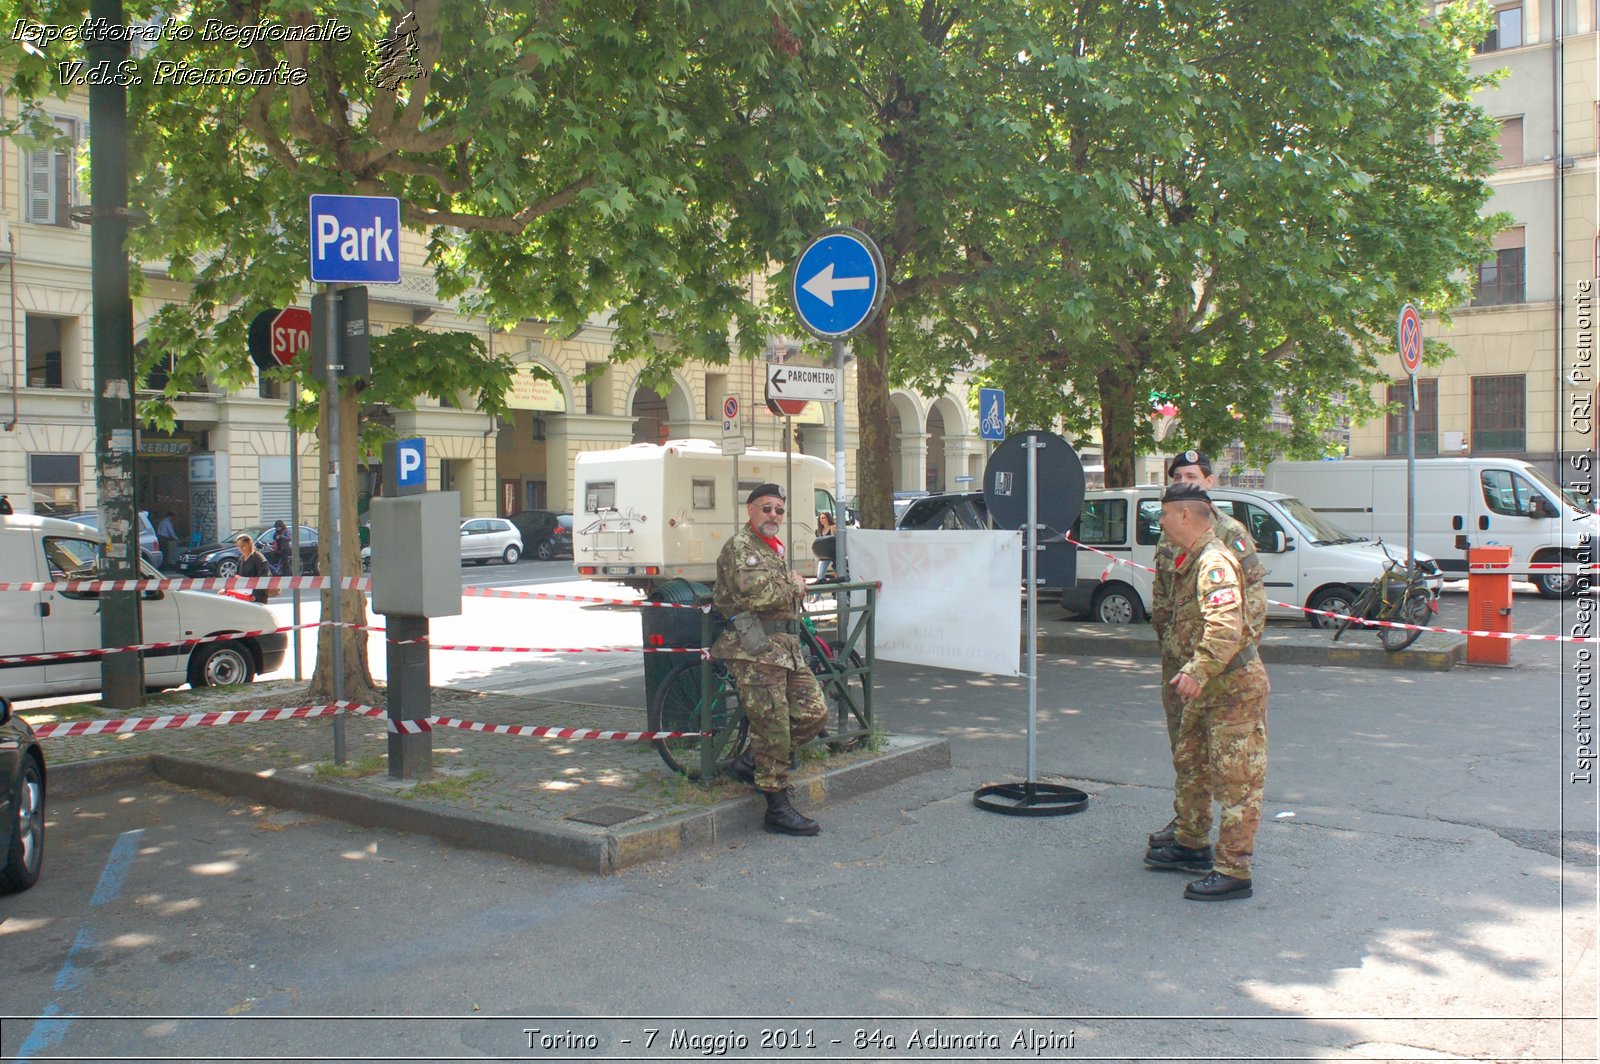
1412,609
676,707
1360,608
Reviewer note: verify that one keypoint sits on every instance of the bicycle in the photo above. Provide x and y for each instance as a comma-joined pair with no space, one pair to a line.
1394,596
701,697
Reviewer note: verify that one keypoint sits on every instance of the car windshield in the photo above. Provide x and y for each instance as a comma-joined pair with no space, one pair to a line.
253,531
1319,528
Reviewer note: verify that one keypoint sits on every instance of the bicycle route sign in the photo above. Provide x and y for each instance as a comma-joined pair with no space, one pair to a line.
838,282
991,414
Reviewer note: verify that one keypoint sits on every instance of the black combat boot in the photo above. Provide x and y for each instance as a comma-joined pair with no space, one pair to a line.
743,767
1166,836
1179,858
784,818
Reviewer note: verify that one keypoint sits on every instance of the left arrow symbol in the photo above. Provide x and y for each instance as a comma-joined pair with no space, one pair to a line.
824,284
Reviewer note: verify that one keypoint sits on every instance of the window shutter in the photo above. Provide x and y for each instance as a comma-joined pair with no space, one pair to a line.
41,169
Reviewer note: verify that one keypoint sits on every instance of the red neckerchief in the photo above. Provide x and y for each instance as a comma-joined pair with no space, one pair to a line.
775,543
1177,563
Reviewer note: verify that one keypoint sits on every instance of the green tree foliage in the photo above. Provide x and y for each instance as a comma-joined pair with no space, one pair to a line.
1236,200
561,159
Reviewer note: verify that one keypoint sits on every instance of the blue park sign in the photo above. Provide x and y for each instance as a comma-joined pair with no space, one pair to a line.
355,239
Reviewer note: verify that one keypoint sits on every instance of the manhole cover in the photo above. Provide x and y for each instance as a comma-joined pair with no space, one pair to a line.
607,815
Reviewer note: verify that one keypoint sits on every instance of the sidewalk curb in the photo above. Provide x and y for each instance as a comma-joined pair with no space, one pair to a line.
604,851
1374,657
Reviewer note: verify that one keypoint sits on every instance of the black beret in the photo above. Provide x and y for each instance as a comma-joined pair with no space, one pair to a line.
1185,492
761,490
1194,458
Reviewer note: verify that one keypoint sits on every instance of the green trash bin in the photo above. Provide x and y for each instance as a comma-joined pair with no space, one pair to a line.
671,628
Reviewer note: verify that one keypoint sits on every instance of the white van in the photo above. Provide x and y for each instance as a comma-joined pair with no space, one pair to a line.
650,513
40,549
1309,561
1460,503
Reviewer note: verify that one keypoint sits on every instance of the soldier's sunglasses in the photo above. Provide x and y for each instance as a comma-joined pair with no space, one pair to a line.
780,511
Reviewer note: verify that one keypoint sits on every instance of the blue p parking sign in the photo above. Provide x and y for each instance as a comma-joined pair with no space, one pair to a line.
411,466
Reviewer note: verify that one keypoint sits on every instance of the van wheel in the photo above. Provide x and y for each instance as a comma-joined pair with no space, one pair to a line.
1117,604
221,665
1554,585
1336,598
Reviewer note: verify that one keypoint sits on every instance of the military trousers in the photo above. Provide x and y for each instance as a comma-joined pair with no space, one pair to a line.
1221,756
1171,701
786,710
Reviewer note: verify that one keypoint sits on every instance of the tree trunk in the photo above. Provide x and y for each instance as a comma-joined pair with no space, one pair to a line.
1117,426
353,604
874,458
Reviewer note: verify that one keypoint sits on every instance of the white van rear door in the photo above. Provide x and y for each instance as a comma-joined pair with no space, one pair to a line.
21,620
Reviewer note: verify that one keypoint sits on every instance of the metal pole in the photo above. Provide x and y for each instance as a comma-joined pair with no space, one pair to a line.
1030,544
788,482
840,572
334,356
122,674
1411,482
294,514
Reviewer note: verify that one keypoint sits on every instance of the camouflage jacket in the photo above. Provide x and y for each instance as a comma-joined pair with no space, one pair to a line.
1236,538
1208,614
751,578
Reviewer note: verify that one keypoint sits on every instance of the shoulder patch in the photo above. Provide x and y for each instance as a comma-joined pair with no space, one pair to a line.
1238,545
1221,597
1216,576
751,559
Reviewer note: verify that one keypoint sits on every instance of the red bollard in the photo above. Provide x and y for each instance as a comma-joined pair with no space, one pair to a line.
1489,604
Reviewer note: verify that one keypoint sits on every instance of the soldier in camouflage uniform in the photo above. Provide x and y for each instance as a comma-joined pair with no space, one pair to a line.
763,600
1221,752
1195,468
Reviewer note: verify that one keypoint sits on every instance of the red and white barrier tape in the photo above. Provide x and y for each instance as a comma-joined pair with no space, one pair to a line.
85,655
286,583
416,727
129,725
132,725
1472,633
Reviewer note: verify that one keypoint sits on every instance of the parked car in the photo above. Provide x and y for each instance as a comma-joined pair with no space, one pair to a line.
545,533
21,803
61,621
967,510
149,543
222,559
484,539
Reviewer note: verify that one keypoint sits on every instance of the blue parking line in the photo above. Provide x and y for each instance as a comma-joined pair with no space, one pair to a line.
49,1031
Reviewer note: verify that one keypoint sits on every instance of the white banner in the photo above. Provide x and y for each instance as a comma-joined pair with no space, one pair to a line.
949,599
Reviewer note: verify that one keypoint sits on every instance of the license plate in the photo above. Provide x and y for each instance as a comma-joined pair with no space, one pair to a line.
618,570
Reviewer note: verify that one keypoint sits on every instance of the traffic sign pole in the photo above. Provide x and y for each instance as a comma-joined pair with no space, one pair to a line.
334,364
1409,340
840,568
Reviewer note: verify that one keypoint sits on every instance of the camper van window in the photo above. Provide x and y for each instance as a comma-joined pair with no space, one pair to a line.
705,494
1506,493
1103,522
1148,532
601,496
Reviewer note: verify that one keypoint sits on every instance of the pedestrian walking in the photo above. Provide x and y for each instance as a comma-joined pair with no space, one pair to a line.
826,527
1221,752
780,696
167,533
1192,467
281,546
252,564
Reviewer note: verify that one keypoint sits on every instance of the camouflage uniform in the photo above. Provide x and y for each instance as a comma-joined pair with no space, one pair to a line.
1236,538
776,687
1221,752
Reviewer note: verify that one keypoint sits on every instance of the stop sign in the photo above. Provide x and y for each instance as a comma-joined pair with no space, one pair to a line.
786,407
290,334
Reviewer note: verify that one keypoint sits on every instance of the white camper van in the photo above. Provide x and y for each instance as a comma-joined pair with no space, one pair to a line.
42,549
1460,503
650,513
1309,562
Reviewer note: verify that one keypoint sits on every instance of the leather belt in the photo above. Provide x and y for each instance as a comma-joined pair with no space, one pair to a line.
777,626
1241,659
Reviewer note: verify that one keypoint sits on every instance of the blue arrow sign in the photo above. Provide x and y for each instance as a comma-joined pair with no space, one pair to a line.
991,414
355,239
837,282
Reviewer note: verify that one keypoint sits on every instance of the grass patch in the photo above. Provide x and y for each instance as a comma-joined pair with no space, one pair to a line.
60,714
453,787
681,790
370,765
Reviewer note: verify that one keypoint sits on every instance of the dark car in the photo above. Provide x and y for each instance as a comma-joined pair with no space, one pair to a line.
21,803
546,534
1058,563
149,542
222,559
